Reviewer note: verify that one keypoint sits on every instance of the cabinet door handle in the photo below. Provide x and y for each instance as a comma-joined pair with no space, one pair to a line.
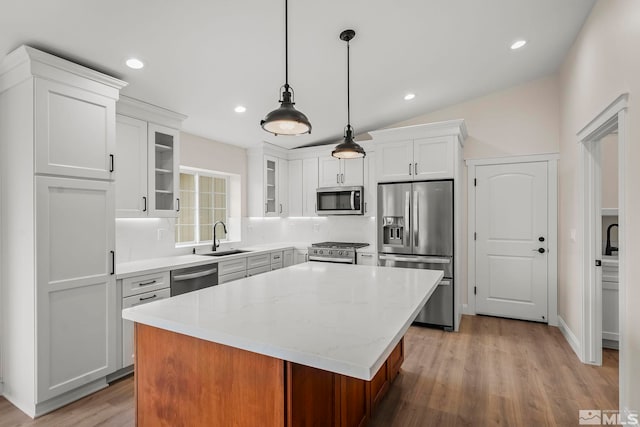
415,169
337,178
113,262
280,207
178,209
266,208
146,298
342,178
150,282
366,255
144,200
365,207
112,161
409,168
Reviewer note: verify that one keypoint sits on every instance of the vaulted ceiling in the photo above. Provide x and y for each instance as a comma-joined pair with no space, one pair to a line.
205,57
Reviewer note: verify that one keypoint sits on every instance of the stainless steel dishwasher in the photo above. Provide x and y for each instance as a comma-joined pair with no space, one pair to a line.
193,278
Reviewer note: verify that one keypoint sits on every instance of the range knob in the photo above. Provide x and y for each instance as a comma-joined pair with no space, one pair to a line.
340,253
320,252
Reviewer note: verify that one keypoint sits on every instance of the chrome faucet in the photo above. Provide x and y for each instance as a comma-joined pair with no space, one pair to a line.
217,244
609,248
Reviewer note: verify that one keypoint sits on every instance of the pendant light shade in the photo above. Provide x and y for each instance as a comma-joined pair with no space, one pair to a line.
348,149
286,120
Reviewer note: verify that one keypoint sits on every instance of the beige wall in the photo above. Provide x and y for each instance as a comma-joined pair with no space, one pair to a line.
602,64
198,152
520,120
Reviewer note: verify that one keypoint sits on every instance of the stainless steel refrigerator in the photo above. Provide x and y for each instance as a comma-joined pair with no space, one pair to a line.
415,230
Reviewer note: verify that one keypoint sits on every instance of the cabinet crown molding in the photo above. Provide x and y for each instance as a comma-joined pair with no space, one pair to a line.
26,61
446,128
137,109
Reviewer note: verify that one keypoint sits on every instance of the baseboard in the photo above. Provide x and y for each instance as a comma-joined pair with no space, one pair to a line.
68,397
611,336
570,337
467,310
610,344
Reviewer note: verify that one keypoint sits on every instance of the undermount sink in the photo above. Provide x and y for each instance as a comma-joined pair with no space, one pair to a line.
223,253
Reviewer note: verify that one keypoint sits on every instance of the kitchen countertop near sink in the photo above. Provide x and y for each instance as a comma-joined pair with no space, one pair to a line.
154,265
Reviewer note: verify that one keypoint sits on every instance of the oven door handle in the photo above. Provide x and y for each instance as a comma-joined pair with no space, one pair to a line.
427,260
194,275
329,259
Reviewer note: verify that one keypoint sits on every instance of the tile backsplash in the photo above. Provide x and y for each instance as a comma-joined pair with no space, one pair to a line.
154,237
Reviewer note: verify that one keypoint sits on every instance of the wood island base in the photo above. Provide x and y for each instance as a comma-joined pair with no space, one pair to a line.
186,381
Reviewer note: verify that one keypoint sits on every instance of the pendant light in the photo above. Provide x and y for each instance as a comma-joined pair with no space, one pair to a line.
286,120
348,149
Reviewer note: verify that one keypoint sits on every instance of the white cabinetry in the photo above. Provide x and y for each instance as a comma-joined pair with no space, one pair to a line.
140,290
232,269
366,258
336,172
148,144
303,182
300,256
276,260
417,159
370,187
268,188
58,238
287,257
74,131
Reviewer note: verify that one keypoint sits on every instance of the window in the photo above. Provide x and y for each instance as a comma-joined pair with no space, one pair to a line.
203,201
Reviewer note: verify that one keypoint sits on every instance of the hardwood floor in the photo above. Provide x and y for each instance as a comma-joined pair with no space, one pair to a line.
493,372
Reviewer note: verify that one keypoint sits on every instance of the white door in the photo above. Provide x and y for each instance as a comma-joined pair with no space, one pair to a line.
511,243
329,172
352,172
74,131
131,181
75,234
395,161
433,158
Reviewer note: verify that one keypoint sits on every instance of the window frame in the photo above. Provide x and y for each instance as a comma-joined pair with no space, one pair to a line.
197,173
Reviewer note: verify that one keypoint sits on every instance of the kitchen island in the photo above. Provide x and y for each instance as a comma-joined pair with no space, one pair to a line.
312,344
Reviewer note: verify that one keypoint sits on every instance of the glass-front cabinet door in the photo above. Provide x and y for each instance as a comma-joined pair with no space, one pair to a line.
270,186
163,162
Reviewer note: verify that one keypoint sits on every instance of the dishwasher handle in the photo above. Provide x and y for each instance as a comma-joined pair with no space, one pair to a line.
194,275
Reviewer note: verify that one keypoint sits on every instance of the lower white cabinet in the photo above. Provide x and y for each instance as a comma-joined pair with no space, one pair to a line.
128,347
287,257
300,256
232,276
610,306
75,292
146,283
365,258
276,260
261,260
258,270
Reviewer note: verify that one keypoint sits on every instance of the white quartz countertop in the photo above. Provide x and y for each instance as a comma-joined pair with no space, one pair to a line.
154,265
341,318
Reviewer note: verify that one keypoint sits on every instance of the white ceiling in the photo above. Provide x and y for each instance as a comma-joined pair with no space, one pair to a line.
205,57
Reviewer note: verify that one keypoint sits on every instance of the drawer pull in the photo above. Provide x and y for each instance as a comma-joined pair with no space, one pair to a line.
146,298
151,282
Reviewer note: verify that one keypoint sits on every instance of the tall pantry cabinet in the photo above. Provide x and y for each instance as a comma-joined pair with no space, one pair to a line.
57,215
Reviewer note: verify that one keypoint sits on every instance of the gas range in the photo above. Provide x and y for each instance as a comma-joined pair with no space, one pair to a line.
341,252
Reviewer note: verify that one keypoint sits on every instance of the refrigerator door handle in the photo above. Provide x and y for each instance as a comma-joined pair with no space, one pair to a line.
407,209
416,222
424,259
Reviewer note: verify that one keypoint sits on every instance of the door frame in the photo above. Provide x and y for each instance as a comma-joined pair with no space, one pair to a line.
614,115
552,211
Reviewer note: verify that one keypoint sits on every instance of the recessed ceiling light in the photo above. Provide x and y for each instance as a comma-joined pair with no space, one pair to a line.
134,63
240,109
409,96
518,44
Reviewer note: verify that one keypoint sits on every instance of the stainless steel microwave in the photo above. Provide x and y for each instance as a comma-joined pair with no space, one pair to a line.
339,201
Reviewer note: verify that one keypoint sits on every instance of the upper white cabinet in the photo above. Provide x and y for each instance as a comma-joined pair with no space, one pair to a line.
336,172
74,131
416,160
131,196
164,171
148,166
268,172
58,228
303,182
370,187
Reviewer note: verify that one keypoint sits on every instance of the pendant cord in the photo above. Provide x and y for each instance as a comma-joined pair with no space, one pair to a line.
348,89
286,44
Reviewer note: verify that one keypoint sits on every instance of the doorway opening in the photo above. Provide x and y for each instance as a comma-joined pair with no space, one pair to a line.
608,127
